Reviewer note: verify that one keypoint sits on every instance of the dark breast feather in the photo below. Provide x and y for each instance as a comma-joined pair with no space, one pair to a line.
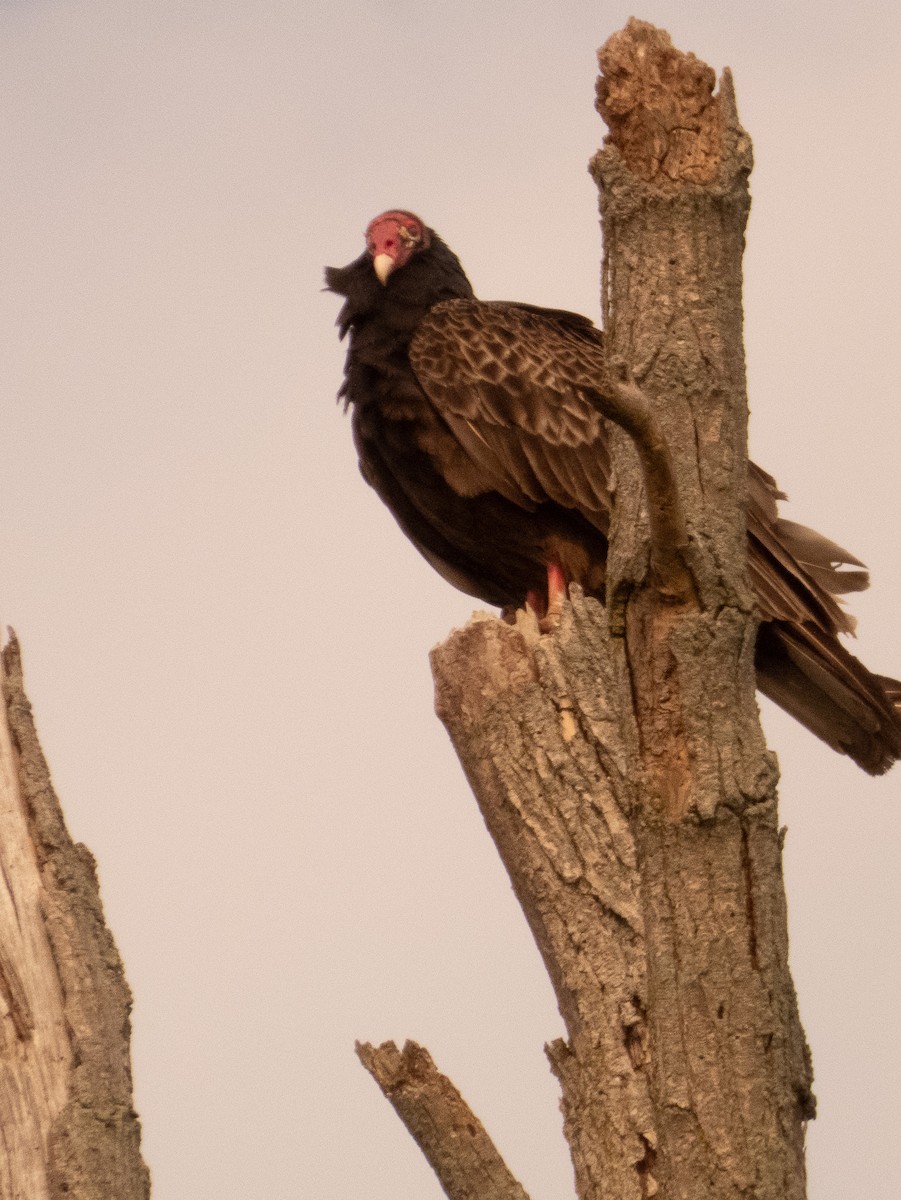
485,527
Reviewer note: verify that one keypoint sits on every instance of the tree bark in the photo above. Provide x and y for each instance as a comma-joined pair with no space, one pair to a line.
68,1125
445,1128
619,762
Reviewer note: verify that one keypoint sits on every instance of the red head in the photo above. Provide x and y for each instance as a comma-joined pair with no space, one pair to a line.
392,239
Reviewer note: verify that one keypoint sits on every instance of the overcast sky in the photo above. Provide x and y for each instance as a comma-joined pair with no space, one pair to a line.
225,635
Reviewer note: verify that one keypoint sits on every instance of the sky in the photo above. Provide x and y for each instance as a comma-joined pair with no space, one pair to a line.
225,636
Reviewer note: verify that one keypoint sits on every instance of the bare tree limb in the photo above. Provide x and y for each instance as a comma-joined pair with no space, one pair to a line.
618,762
536,724
68,1124
624,403
444,1127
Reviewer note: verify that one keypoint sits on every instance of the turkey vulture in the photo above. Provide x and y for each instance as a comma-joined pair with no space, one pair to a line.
474,422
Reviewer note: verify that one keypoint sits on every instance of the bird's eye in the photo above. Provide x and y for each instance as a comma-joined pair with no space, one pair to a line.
408,236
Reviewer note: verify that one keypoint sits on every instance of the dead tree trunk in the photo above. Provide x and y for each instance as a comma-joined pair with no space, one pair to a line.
68,1126
619,763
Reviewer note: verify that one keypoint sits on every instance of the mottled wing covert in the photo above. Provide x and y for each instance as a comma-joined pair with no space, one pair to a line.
515,384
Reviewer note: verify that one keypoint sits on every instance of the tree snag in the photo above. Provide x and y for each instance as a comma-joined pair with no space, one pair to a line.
69,1127
619,762
446,1130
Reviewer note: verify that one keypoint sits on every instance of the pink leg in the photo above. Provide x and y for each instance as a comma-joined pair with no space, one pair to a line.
548,610
556,594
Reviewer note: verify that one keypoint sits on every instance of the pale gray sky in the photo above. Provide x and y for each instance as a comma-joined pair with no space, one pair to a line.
226,637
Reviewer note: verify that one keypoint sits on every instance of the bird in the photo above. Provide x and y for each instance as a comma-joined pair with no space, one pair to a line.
475,423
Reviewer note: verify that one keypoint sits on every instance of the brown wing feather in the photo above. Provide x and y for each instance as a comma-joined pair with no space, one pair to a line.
514,384
477,425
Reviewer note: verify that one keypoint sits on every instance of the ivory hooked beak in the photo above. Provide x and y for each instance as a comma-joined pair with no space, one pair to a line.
383,265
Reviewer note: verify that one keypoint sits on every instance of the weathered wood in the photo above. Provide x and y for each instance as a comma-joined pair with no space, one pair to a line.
618,762
728,1065
536,723
450,1136
69,1128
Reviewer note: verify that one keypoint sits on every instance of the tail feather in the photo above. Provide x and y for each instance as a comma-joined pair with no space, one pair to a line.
823,559
816,680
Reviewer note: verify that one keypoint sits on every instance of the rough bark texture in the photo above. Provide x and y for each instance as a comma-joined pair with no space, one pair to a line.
729,1074
619,763
66,1117
450,1136
684,1071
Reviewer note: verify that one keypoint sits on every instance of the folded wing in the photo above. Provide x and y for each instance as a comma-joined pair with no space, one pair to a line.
515,385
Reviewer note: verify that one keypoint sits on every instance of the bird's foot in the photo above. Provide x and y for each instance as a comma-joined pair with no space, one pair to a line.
556,598
549,611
